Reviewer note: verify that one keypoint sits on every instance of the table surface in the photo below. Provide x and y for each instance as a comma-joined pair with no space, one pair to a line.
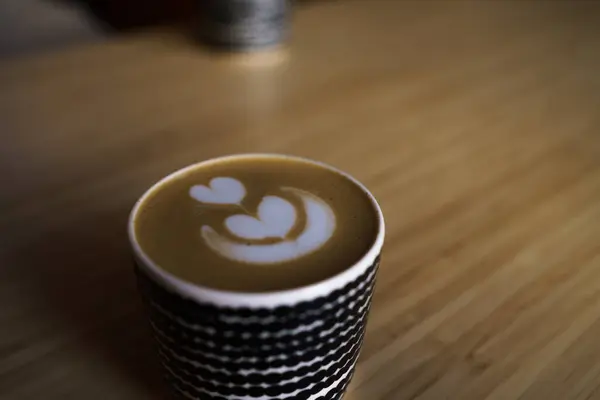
476,125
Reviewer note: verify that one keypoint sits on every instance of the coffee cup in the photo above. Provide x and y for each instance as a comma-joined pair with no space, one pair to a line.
223,335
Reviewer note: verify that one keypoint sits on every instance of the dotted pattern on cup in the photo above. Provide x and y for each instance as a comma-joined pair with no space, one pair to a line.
306,351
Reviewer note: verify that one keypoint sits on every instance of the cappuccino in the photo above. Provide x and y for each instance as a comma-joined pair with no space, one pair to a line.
256,223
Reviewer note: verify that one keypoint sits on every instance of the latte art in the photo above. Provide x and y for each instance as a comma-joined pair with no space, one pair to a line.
220,191
275,218
256,223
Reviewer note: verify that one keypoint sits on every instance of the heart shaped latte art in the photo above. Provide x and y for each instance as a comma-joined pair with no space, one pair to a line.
219,191
276,217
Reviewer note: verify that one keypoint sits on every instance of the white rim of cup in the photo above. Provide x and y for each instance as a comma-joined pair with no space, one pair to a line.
269,299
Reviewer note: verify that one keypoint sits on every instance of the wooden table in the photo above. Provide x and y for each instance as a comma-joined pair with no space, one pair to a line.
477,125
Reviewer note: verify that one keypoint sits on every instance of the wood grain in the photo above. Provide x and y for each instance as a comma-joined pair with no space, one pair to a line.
476,124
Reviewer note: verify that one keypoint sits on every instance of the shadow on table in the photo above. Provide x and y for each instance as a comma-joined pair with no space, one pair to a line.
83,276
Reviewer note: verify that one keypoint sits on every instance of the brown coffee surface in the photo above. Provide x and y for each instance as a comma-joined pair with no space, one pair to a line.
280,221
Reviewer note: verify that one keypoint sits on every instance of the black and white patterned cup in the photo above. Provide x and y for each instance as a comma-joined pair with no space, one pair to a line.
299,344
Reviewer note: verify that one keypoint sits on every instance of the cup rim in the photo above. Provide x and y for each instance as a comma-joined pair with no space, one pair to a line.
237,299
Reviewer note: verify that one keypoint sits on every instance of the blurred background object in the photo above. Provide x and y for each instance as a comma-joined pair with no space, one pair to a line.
123,15
243,25
28,26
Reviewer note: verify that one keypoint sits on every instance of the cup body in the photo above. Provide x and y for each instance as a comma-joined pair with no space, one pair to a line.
298,344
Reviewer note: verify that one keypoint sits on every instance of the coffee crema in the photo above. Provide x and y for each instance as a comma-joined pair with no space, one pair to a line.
256,223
